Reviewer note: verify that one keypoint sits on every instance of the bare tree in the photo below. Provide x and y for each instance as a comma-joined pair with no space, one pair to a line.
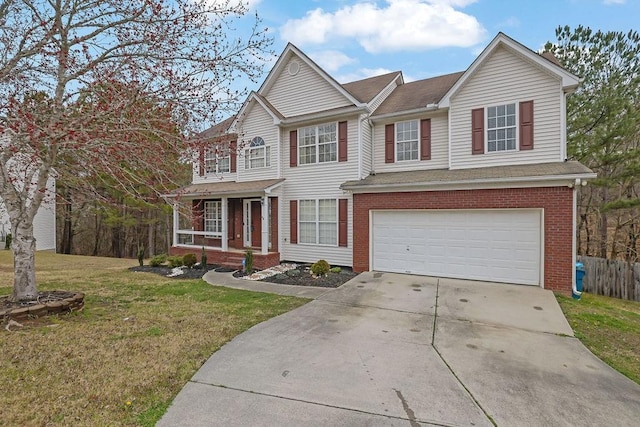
107,89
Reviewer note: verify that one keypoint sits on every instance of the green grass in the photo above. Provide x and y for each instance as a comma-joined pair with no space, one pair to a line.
609,327
122,360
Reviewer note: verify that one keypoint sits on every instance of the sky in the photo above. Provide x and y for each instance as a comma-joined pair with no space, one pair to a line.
355,39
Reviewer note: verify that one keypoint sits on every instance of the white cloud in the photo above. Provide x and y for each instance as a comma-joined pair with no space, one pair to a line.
331,60
398,25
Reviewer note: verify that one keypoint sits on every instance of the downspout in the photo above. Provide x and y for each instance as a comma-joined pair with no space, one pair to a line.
575,186
373,147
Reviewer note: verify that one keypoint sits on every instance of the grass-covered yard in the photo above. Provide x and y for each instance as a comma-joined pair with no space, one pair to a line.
123,358
609,327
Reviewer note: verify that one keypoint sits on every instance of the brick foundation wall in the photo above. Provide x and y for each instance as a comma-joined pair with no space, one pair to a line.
557,203
231,259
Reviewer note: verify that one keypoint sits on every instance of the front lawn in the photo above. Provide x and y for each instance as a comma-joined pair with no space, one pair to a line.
122,360
609,327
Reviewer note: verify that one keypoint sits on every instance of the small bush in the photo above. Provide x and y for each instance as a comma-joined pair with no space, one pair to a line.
248,261
141,256
158,260
203,260
335,269
175,261
320,268
7,241
189,260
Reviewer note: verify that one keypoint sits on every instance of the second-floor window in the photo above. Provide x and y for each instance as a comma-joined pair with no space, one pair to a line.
501,128
407,140
257,155
216,160
318,144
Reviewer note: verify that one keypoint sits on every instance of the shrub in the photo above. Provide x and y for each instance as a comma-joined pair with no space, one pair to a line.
175,261
203,259
7,242
189,260
248,261
141,256
158,260
320,268
335,269
293,273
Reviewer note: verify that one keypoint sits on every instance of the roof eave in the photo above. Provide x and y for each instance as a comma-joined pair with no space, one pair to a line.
428,109
568,177
322,115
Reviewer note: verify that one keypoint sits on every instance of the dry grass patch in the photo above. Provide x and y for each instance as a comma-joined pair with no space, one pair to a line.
122,359
609,327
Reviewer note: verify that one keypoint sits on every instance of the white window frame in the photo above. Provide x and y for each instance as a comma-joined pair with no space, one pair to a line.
258,150
515,127
213,218
397,142
217,161
317,222
314,148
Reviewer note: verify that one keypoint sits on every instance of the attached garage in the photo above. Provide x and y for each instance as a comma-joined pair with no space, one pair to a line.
497,245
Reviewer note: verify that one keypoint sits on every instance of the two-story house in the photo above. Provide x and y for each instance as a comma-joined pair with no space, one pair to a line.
462,175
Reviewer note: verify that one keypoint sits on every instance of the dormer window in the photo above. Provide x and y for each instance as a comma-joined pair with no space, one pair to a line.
257,155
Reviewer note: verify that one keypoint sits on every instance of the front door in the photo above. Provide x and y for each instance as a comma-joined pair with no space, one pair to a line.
256,224
252,223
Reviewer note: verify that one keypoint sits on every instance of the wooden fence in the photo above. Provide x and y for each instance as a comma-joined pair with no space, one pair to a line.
611,278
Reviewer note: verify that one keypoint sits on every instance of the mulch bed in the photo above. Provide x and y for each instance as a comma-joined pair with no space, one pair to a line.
301,276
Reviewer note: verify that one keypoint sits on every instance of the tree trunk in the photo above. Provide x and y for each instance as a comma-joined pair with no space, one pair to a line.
604,224
24,248
151,244
67,232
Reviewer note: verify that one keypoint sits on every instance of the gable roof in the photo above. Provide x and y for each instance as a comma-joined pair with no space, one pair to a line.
289,50
569,81
417,95
366,89
220,129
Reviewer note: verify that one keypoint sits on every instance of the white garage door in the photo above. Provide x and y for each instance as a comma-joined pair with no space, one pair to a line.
489,245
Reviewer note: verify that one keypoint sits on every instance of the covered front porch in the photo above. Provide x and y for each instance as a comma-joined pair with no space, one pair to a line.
225,219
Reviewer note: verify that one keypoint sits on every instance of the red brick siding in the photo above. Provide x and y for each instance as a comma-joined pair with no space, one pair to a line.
557,203
231,259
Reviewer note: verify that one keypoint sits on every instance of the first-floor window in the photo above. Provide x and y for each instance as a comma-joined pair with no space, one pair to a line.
213,216
318,221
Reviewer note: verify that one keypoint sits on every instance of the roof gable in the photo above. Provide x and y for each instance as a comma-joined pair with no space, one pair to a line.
280,67
569,81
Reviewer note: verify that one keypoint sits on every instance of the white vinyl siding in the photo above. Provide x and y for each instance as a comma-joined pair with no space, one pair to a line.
319,181
506,78
439,148
366,136
257,123
303,93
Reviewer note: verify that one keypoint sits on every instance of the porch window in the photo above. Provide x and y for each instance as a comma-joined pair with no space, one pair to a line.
318,222
216,161
318,144
213,216
407,140
258,155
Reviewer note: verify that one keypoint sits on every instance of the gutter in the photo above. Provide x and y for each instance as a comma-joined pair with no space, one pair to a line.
428,108
573,178
322,115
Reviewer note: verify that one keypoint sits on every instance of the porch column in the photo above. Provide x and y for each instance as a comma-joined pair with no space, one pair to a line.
264,201
225,213
176,222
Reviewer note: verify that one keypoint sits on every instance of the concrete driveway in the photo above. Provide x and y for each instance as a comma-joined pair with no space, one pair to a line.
398,350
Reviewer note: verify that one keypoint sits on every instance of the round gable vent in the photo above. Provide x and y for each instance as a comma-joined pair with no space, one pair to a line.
294,68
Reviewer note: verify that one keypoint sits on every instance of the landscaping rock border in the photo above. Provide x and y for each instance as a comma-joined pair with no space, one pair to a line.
48,303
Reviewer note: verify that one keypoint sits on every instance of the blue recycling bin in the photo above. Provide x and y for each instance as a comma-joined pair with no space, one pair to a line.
579,277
